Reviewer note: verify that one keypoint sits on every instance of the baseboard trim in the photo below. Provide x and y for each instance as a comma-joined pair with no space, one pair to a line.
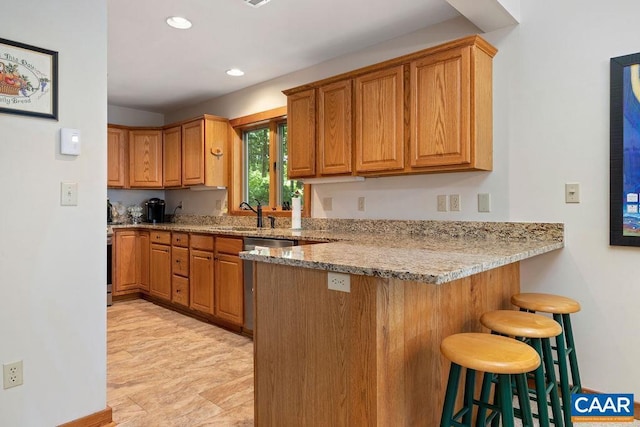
99,419
636,405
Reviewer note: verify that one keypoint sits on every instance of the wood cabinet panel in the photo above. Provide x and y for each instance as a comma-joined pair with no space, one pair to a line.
334,128
172,156
229,289
216,157
180,261
201,281
301,122
193,153
180,290
144,250
145,158
441,109
379,121
201,241
126,261
160,271
117,156
160,237
180,239
228,245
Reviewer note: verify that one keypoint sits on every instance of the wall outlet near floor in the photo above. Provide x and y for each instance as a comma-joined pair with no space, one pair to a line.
484,202
339,281
454,202
12,374
327,203
442,202
361,204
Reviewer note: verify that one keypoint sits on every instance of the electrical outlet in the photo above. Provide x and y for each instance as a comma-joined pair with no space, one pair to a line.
454,202
442,202
12,374
484,202
339,281
327,203
361,203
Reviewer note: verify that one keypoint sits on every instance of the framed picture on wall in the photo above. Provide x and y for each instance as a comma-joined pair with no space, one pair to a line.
28,80
624,222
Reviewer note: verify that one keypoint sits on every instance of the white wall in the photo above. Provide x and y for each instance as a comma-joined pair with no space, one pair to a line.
52,258
551,100
124,116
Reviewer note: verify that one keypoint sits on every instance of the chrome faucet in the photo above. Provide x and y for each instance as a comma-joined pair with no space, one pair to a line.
245,206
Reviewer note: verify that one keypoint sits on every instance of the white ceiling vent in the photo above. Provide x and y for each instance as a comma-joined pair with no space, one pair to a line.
256,3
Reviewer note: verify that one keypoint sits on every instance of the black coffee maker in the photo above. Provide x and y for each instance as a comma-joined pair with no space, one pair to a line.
155,210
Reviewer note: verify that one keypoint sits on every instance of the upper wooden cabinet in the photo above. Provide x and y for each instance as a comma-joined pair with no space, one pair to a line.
335,128
301,122
117,157
451,117
172,163
380,120
145,158
204,152
430,111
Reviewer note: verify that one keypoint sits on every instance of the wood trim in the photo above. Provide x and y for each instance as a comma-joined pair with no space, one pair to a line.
465,41
636,405
259,117
99,419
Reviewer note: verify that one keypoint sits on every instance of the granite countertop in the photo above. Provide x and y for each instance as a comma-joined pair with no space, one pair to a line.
424,251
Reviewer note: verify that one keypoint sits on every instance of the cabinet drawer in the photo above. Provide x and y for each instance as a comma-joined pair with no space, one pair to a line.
180,290
201,241
180,239
180,261
161,237
228,245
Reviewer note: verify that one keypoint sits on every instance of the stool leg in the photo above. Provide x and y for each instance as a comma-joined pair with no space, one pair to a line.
541,387
573,358
506,400
547,359
469,388
485,393
565,390
450,396
523,400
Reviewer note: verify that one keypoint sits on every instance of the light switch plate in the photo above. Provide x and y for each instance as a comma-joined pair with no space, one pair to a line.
327,203
442,202
484,202
572,192
68,194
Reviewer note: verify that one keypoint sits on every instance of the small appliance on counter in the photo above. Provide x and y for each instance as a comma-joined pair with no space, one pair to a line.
155,210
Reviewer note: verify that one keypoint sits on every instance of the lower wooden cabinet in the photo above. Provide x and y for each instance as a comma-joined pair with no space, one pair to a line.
131,261
180,290
201,277
229,295
160,271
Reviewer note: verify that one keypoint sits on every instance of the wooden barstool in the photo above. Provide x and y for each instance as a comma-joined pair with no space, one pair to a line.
538,331
493,354
561,308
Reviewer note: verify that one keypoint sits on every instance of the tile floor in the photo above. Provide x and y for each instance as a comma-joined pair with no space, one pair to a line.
166,369
169,370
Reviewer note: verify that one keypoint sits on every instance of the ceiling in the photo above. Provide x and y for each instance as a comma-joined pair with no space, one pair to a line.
154,67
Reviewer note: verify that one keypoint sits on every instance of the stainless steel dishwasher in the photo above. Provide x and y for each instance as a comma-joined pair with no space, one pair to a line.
250,243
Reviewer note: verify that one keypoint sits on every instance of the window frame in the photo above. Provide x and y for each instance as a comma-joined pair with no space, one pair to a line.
270,118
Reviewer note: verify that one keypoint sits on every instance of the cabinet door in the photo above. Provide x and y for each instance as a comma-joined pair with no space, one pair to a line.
301,123
160,271
125,267
216,158
117,158
145,158
144,249
201,267
229,290
440,109
380,120
193,153
334,128
172,156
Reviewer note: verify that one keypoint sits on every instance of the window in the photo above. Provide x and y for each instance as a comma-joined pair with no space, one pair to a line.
265,177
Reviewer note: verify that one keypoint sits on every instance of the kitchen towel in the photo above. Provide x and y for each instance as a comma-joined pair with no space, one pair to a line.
296,213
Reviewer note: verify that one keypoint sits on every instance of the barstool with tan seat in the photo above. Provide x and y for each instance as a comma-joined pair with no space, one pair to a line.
494,354
538,331
561,308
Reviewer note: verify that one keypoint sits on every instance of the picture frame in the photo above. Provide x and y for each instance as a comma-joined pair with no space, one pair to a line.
624,157
28,80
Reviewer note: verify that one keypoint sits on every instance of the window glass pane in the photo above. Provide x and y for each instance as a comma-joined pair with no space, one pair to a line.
287,186
256,144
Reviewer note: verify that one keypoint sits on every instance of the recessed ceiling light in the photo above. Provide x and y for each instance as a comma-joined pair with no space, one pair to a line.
179,22
235,72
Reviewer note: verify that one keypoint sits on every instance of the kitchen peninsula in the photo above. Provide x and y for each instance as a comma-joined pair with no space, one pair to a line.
370,356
